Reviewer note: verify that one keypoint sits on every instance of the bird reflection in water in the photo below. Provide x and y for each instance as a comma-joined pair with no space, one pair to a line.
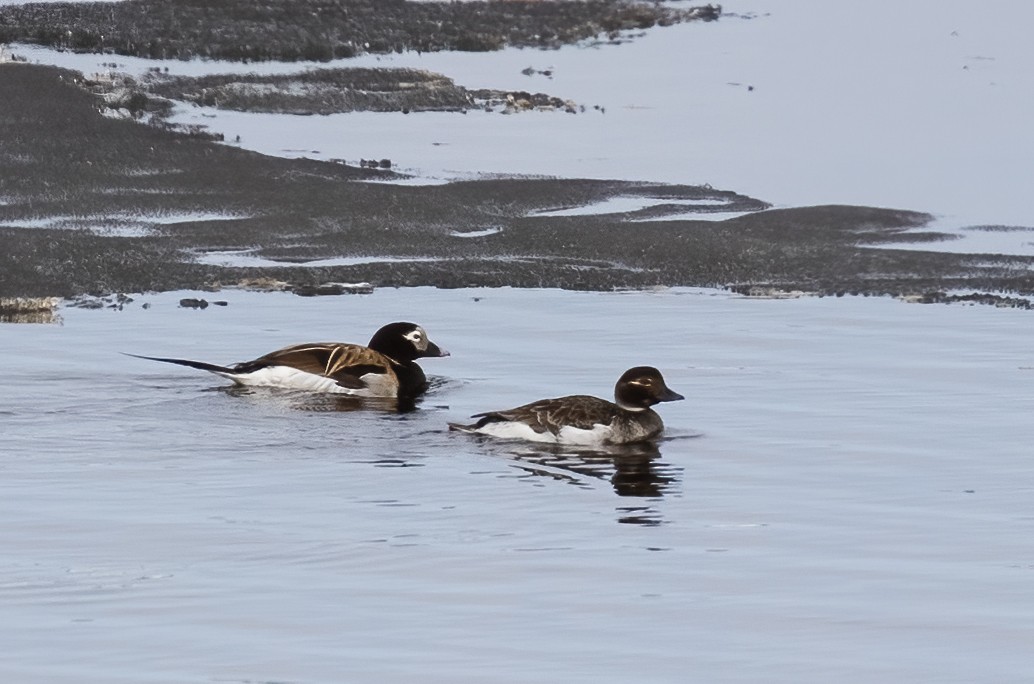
322,402
634,470
318,402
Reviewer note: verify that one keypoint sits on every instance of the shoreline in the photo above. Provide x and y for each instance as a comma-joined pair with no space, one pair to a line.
95,204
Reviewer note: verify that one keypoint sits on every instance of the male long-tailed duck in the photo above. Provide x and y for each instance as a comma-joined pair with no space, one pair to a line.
384,368
581,419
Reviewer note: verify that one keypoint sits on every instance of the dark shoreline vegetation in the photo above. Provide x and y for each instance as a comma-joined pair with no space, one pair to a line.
89,203
322,30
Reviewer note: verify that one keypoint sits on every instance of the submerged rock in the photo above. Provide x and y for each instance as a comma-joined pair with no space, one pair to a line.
29,309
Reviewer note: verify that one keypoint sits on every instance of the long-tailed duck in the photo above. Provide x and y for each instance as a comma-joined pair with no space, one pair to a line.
384,368
582,419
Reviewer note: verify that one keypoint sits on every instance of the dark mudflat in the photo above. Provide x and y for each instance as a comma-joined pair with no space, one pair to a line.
62,158
85,198
320,30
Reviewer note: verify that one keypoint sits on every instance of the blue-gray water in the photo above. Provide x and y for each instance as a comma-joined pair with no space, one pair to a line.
845,497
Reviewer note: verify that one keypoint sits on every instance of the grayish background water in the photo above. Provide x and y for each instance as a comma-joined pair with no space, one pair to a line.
845,497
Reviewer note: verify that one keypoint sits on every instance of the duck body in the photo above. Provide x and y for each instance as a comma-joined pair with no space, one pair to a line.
582,419
577,419
385,368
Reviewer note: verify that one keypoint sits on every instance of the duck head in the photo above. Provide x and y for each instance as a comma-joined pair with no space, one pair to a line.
641,387
405,342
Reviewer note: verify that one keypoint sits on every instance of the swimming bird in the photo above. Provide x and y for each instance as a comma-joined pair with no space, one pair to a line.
582,419
384,368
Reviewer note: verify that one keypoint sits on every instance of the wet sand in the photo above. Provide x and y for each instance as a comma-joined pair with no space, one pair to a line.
96,204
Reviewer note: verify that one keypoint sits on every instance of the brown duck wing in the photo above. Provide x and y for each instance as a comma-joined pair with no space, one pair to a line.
345,363
550,415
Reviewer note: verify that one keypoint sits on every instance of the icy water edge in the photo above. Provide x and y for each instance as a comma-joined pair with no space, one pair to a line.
844,496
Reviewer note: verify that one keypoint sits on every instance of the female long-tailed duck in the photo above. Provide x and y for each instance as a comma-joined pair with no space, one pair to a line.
582,419
384,368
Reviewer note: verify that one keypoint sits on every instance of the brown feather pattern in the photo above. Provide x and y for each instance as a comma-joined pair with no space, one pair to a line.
385,368
549,415
345,363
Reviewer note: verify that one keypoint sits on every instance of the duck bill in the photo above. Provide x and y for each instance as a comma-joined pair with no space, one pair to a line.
670,395
434,350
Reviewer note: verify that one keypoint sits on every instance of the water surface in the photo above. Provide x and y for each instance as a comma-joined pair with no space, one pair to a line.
847,477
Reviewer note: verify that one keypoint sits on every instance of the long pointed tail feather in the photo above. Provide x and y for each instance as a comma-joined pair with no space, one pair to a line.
200,365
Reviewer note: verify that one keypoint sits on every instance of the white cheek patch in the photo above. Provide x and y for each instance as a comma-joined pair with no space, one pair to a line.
419,339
